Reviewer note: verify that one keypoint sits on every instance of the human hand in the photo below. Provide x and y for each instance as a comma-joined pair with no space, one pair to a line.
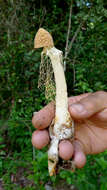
89,112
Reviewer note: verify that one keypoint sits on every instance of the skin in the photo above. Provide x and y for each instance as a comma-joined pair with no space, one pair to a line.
89,112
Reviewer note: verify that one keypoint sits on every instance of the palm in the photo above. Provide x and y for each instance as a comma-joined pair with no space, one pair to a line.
92,135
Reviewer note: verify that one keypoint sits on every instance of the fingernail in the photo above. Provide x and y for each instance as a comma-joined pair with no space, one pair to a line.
79,108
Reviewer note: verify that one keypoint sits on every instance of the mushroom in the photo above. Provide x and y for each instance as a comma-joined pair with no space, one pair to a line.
62,127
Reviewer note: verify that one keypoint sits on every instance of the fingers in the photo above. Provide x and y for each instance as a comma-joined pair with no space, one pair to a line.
82,106
65,149
79,155
89,105
74,99
43,118
102,116
40,138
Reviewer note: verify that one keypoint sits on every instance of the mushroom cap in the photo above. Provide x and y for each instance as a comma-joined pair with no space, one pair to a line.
43,39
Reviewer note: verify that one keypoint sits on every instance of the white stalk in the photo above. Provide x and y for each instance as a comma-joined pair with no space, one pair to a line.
61,88
63,125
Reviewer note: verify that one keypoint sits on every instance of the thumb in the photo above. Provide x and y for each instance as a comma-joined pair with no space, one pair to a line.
89,105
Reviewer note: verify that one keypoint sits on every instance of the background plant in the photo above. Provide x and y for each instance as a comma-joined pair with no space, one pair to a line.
21,167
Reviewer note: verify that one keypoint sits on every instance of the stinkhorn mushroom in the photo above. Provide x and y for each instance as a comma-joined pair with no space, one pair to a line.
62,127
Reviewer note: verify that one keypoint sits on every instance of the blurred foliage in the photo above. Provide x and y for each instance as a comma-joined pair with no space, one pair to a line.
19,97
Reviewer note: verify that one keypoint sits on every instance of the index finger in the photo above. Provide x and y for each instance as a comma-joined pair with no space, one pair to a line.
44,117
